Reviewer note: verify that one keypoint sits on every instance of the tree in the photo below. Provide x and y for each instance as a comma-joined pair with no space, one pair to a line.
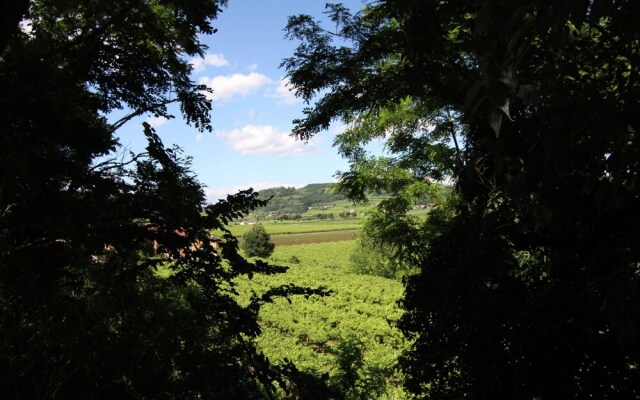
529,281
85,312
257,242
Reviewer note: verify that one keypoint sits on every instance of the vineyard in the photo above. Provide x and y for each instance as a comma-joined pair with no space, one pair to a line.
309,332
315,333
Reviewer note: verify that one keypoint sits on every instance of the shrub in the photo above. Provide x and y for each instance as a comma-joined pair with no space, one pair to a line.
257,242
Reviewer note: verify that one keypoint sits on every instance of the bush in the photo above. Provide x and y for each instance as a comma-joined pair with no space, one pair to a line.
257,242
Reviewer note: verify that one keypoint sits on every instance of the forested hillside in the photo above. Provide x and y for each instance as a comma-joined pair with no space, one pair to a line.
323,200
294,200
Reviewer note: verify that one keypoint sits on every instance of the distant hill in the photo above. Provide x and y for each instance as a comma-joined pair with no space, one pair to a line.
292,200
320,201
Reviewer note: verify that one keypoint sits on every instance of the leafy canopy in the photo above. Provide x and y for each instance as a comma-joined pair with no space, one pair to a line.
86,311
528,282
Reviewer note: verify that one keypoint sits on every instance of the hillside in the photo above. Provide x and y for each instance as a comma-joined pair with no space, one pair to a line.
321,201
292,200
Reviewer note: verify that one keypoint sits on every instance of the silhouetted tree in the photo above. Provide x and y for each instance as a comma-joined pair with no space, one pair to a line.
84,311
529,284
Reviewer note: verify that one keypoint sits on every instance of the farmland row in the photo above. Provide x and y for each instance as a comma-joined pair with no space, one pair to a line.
313,237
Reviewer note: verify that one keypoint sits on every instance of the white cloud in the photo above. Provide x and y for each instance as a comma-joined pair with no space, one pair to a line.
227,87
286,92
199,64
265,139
156,122
253,67
214,194
199,137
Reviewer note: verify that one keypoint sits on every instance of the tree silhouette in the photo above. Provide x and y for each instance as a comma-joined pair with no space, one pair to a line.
85,311
529,281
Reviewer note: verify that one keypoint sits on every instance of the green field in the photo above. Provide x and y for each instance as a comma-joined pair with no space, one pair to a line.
292,239
293,227
309,331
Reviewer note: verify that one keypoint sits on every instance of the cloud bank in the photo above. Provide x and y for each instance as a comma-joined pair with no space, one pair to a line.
199,64
265,139
236,85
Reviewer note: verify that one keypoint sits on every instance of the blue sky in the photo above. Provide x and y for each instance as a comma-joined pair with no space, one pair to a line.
252,109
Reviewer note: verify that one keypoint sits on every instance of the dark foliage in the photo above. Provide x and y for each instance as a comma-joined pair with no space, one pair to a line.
529,284
85,311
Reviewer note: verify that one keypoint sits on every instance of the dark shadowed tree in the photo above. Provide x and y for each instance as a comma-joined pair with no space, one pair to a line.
529,284
85,312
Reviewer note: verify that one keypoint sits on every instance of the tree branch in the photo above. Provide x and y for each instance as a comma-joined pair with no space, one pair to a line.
119,123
